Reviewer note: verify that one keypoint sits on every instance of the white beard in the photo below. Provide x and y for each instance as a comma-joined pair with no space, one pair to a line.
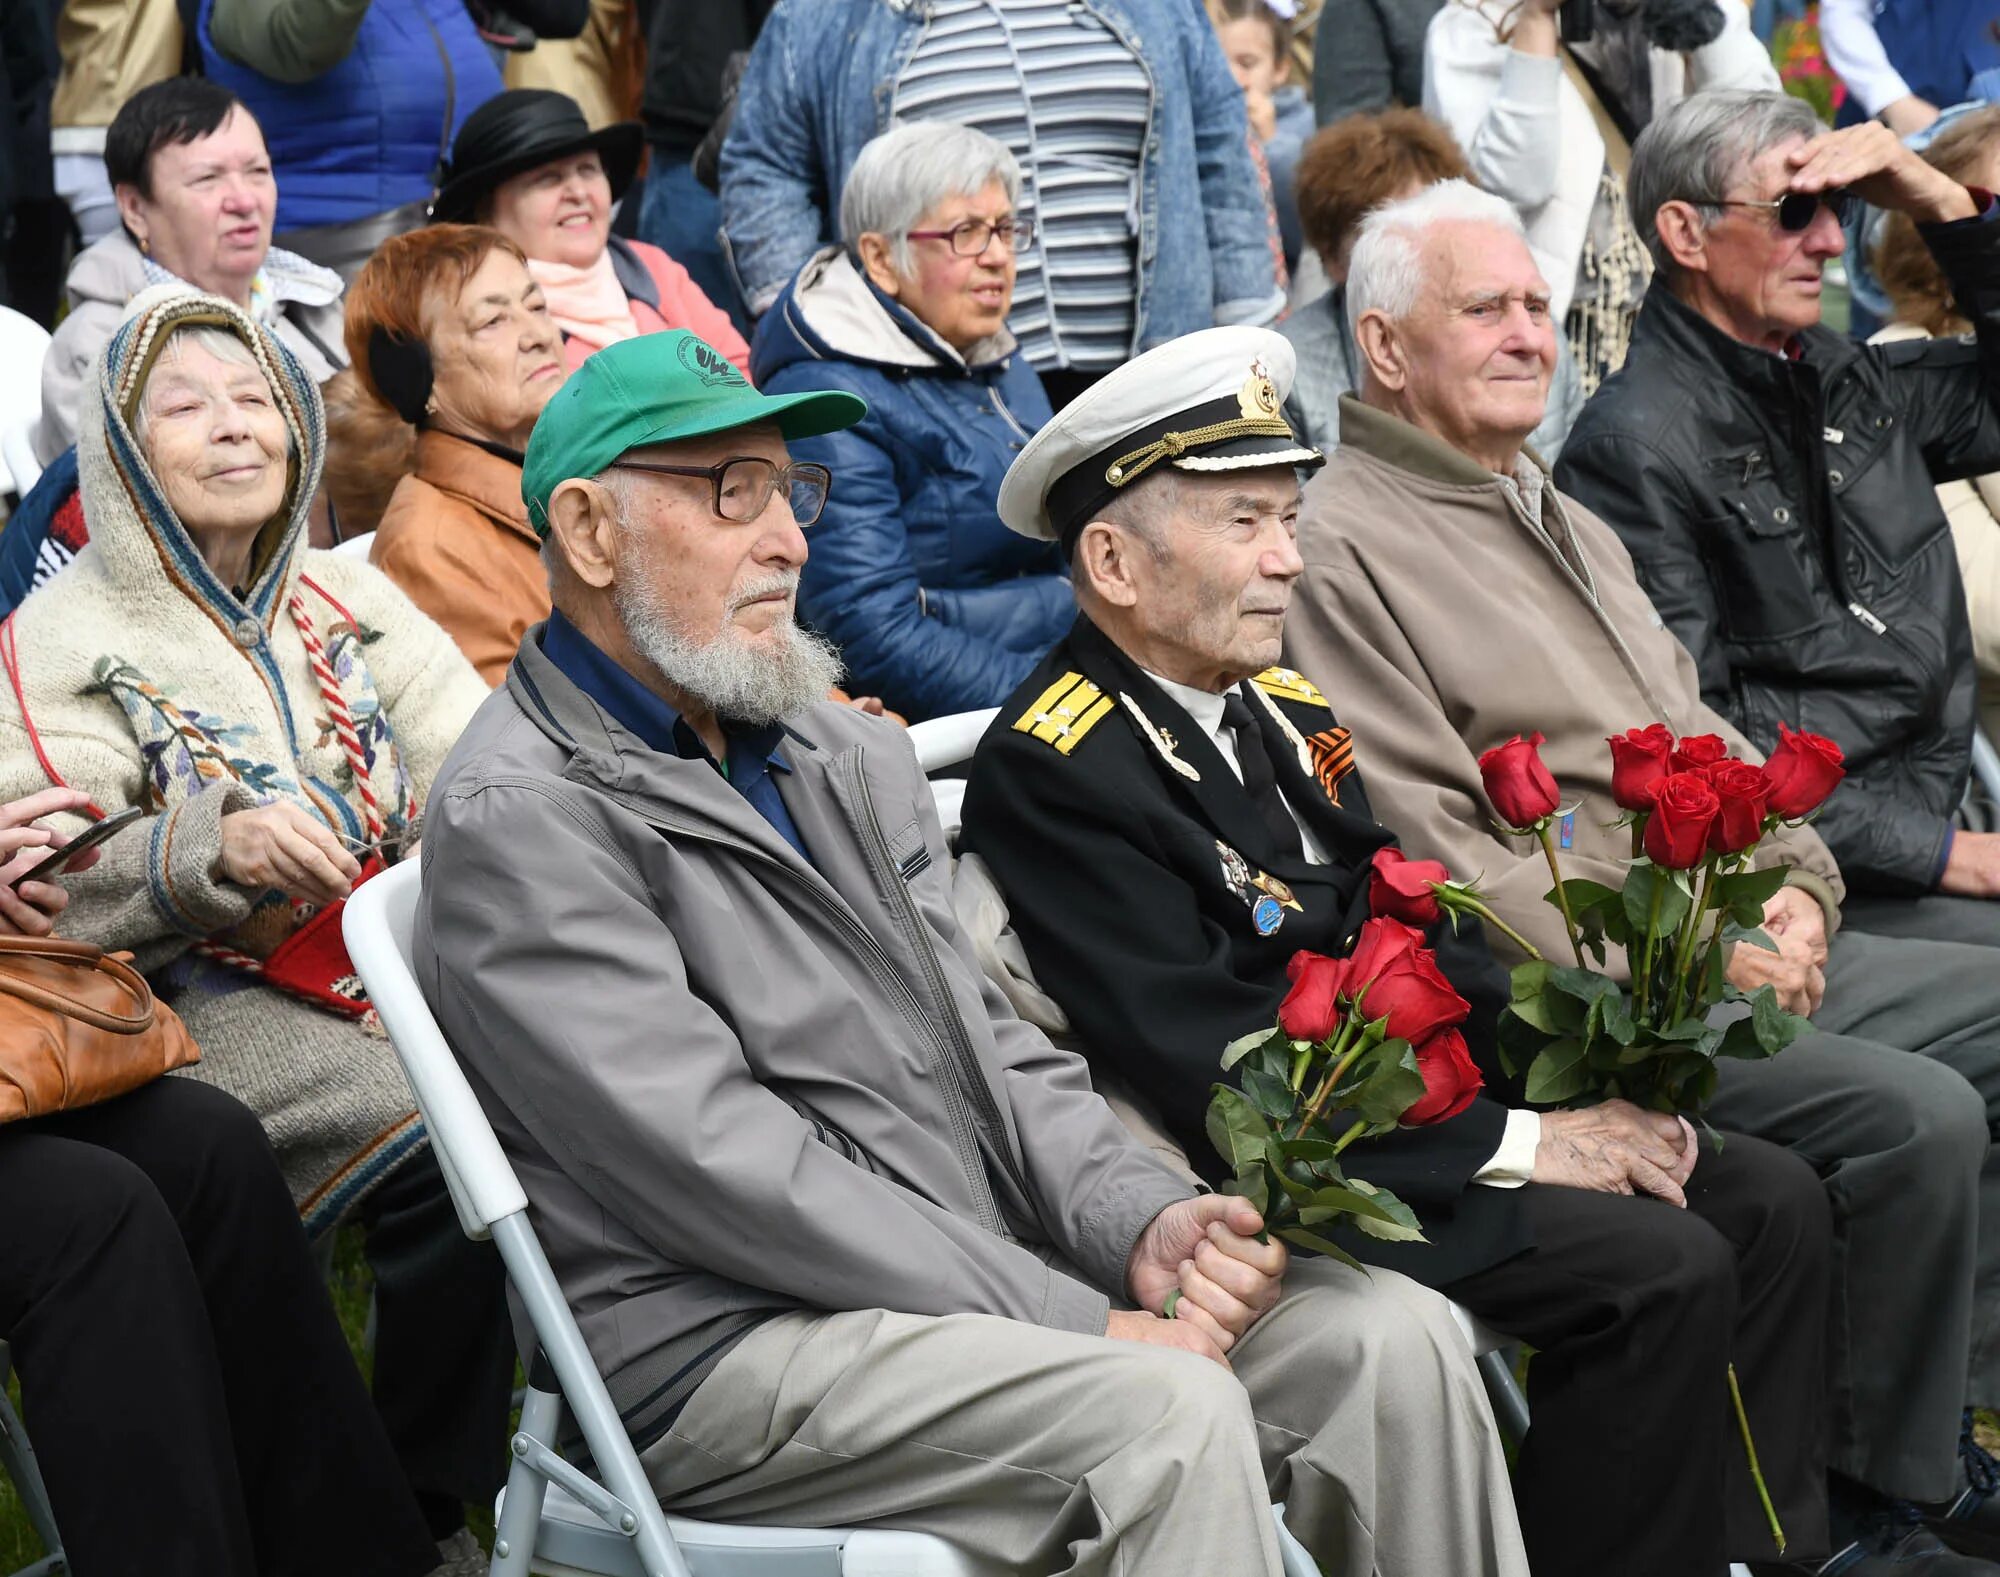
736,682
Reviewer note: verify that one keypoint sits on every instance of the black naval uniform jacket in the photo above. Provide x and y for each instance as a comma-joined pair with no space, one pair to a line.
1155,907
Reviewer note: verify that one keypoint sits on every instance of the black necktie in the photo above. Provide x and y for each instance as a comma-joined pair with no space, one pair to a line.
1260,781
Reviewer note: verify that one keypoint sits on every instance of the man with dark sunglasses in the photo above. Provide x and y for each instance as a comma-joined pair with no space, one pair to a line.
1773,482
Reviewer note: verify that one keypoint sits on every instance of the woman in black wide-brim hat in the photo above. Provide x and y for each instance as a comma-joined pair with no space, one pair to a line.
527,163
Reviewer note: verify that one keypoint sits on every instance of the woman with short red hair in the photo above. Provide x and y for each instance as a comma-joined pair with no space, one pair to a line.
448,329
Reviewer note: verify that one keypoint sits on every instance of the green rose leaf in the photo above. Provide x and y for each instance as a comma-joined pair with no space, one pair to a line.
1392,1089
1641,883
1776,1029
1271,1096
1236,1128
1313,1243
1243,1045
1558,1074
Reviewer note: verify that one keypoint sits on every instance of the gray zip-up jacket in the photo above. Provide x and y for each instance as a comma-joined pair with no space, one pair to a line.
733,1082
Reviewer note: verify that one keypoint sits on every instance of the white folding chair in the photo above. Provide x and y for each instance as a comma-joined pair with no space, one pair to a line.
23,343
17,1456
355,547
553,1519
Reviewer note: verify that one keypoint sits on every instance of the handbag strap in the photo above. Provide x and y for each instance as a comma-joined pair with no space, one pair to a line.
83,956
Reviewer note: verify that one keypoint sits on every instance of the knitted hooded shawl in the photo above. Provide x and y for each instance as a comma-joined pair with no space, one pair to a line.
137,676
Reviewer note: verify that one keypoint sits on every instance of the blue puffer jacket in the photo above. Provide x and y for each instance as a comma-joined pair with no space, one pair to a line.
937,606
363,138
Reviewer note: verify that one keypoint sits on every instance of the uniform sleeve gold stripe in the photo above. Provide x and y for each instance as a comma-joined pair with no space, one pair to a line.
1084,725
1045,701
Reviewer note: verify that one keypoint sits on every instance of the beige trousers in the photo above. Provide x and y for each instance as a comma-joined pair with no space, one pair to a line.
1355,1401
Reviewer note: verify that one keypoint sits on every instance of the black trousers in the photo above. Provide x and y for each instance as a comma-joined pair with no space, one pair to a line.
1633,1462
193,1405
444,1349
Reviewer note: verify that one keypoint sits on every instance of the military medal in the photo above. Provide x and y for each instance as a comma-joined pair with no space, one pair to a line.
1267,914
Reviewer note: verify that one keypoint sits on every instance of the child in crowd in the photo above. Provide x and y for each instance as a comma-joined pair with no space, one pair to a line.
1256,37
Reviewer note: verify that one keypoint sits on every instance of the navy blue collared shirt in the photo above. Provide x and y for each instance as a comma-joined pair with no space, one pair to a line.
752,754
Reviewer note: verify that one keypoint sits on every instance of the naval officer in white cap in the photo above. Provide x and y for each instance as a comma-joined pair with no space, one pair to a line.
1170,818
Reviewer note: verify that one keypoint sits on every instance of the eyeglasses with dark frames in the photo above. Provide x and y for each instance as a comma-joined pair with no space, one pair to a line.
970,237
741,486
1795,210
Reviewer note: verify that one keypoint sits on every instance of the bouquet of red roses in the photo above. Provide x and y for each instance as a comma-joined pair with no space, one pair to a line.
1363,1045
1697,816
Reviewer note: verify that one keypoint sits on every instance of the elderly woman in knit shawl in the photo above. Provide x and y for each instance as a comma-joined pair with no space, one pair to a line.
278,714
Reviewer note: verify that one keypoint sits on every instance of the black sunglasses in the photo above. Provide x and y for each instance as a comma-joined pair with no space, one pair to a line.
1796,210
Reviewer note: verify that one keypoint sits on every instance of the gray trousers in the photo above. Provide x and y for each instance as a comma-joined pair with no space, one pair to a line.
1893,1102
1355,1401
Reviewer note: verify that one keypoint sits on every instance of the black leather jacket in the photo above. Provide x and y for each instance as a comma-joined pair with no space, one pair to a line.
1781,514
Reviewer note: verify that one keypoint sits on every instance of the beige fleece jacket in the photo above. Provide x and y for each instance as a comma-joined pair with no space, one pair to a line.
1440,620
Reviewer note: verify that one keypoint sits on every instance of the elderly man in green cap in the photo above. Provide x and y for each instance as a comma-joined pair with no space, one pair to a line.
850,1242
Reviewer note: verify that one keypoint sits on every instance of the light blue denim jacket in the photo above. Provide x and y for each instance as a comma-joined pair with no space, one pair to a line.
822,80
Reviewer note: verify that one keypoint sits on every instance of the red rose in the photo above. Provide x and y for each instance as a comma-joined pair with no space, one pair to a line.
1312,1009
1802,771
1741,791
1516,781
1697,751
1683,810
1412,993
1383,940
1638,762
1401,887
1451,1079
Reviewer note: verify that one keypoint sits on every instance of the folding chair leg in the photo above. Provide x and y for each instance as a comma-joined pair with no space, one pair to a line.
521,1513
17,1456
1510,1407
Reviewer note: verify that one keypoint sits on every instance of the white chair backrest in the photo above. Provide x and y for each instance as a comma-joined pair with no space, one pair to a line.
355,547
23,344
378,925
17,456
946,741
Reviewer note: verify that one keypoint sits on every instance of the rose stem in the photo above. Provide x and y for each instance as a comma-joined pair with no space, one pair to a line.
1479,907
1684,949
1325,1086
1562,897
1643,981
1756,1472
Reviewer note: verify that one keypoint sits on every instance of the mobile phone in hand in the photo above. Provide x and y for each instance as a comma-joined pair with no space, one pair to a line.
110,826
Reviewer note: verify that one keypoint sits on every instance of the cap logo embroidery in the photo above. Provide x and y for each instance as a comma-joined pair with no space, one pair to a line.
1258,398
707,363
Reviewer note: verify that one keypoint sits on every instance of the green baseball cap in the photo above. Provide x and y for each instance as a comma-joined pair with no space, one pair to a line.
653,390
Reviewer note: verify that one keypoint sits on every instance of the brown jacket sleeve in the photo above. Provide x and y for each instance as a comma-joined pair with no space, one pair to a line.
428,544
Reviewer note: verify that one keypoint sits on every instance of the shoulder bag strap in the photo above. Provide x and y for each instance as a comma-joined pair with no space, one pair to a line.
83,956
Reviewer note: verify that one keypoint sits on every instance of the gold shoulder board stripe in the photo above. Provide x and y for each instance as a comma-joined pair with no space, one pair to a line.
1287,684
1062,714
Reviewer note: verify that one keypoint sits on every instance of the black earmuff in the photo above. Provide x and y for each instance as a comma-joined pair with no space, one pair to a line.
401,369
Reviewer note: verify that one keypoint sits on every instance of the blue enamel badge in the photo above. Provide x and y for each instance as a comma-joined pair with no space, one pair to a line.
1267,914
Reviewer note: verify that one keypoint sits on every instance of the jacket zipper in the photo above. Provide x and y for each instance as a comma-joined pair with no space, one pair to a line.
884,968
1868,618
970,1076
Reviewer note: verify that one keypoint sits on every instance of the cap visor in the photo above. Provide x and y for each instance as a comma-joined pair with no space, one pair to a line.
805,415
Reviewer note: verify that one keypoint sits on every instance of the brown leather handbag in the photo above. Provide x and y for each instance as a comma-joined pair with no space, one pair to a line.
78,1026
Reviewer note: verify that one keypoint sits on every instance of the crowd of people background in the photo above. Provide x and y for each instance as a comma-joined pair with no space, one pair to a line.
568,444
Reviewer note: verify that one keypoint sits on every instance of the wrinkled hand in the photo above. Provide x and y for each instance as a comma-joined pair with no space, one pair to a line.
30,908
1207,1248
1871,161
1135,1325
279,847
1617,1148
1794,915
1790,972
1973,868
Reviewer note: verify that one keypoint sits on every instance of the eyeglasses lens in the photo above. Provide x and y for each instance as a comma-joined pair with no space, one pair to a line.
808,492
972,238
744,488
1796,210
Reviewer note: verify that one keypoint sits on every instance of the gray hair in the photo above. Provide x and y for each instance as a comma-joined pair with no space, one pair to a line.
1695,149
1385,271
912,167
219,343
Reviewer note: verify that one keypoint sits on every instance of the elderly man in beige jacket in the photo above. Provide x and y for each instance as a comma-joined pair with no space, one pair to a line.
1453,598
